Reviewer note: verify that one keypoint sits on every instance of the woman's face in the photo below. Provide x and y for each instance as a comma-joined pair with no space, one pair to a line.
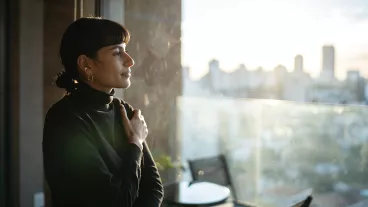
111,69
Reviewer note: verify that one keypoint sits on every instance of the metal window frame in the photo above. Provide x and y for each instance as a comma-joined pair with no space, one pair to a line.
98,8
79,5
5,106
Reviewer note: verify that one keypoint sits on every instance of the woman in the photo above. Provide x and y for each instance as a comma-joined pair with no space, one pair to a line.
94,146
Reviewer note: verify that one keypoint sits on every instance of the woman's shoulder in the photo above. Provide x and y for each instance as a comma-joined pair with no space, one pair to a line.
65,107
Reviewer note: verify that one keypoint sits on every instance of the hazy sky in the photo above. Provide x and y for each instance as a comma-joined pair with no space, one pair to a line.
271,32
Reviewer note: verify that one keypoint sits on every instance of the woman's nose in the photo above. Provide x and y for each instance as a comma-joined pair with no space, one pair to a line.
128,61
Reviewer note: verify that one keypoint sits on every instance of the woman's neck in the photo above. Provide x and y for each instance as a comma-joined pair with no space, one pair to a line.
107,90
93,97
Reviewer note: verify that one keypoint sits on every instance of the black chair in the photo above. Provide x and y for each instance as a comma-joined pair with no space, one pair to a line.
307,202
215,170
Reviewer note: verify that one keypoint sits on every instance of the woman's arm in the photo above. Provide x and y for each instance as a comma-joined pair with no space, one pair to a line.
151,191
74,168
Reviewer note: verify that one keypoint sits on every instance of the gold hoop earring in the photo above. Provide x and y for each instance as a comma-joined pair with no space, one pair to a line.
90,78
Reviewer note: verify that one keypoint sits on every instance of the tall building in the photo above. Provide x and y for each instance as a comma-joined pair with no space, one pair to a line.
298,63
213,64
215,74
328,61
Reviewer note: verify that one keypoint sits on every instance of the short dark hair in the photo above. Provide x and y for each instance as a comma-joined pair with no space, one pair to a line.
86,36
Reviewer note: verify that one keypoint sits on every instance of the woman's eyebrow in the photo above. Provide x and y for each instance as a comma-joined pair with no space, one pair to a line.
116,46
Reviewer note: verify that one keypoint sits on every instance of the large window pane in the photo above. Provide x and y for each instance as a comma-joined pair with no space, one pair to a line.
309,54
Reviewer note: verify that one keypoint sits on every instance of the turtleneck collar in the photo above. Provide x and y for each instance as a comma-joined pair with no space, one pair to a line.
94,98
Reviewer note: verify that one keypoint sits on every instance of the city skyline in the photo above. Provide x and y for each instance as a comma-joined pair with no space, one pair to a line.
326,72
246,32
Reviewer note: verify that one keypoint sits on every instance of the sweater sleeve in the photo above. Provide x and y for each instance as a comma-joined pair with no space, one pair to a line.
74,168
151,190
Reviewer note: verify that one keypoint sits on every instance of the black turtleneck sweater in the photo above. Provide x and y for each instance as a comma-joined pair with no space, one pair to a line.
88,161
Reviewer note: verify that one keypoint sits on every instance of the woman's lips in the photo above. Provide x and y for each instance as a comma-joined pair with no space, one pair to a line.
127,75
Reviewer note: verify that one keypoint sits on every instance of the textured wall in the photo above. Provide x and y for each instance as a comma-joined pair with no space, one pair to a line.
155,45
57,17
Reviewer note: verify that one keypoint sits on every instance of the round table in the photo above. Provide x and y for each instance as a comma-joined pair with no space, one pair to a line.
186,193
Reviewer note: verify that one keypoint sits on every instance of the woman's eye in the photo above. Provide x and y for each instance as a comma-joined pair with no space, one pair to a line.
117,53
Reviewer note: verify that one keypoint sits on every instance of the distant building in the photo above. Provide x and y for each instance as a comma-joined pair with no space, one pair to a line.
295,86
298,63
328,62
333,93
356,83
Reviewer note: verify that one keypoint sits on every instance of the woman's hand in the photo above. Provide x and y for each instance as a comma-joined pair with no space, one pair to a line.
136,128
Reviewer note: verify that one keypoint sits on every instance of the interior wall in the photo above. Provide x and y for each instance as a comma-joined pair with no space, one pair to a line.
30,100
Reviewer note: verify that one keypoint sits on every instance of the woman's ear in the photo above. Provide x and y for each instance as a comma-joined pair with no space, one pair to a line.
84,67
82,62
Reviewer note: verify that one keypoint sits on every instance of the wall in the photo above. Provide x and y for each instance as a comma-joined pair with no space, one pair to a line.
155,45
30,100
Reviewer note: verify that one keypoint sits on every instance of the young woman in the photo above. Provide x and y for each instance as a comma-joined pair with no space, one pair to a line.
94,147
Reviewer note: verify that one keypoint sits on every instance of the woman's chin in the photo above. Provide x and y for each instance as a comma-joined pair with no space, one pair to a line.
125,84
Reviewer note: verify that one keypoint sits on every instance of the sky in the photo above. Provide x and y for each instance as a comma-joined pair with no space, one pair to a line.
266,33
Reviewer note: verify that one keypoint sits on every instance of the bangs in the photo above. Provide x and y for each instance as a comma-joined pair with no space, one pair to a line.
111,33
102,33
